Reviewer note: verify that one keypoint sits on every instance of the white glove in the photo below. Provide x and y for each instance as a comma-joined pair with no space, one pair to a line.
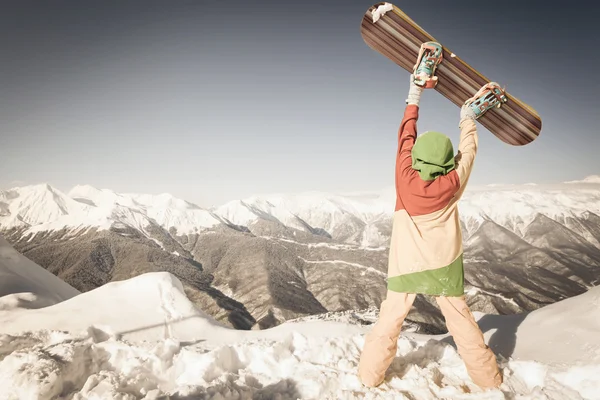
466,113
414,93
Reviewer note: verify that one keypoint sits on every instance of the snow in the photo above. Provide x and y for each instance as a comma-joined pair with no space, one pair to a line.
296,360
165,209
24,284
330,212
381,10
594,179
351,264
35,204
564,332
333,246
372,236
171,212
42,208
150,306
358,217
246,212
515,207
143,339
512,206
102,198
472,291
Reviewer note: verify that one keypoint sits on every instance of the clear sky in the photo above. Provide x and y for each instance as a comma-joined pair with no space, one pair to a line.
215,101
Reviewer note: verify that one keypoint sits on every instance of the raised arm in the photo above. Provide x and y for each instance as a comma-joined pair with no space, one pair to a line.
407,134
467,147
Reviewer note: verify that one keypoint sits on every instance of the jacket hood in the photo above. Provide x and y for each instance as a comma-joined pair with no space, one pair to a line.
432,155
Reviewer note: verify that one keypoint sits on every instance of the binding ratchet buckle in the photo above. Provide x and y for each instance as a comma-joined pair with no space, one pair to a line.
430,55
489,96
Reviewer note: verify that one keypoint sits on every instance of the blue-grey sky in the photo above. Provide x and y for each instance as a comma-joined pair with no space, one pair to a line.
214,101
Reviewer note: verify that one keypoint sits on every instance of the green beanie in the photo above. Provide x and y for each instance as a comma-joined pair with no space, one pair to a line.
432,155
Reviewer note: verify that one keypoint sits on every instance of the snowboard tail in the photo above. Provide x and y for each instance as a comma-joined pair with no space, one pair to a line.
399,38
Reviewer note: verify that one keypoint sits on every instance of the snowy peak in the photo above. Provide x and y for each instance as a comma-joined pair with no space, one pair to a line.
173,213
44,208
34,205
336,214
247,212
164,200
101,198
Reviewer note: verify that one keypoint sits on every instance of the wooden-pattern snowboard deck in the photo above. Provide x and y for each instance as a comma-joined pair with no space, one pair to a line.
399,38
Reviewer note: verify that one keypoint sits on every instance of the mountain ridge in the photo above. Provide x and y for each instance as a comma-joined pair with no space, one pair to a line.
356,220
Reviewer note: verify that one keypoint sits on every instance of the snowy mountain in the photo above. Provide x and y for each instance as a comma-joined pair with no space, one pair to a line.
35,205
166,210
260,261
355,218
42,208
142,338
345,218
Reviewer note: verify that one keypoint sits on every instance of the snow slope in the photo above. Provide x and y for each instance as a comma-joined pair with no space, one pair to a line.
24,284
148,307
564,332
142,339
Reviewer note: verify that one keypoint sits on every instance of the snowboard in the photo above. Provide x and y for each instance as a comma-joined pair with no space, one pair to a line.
388,30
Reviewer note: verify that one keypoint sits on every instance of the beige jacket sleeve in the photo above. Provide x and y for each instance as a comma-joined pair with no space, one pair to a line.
467,150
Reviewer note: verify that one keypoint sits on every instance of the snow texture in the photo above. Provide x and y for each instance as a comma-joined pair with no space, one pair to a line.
381,10
143,339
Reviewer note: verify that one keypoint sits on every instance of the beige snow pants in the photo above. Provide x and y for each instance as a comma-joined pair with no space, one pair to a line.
382,341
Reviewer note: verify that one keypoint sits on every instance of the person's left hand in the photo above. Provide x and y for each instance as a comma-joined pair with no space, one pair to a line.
466,113
414,92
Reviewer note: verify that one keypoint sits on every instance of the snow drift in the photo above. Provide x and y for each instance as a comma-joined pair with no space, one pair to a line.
309,360
24,284
147,308
564,332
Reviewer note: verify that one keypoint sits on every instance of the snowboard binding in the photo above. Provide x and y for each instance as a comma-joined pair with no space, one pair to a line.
489,96
430,55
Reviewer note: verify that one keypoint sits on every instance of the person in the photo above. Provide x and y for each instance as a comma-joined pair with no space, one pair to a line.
426,250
